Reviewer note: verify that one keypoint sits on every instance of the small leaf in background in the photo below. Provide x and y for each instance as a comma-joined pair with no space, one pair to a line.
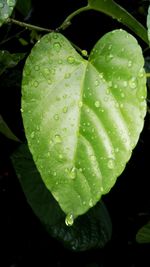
24,7
5,130
148,23
6,8
143,235
8,60
83,118
89,231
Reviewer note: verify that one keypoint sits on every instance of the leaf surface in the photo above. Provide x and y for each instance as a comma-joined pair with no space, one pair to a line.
143,235
6,8
89,231
83,118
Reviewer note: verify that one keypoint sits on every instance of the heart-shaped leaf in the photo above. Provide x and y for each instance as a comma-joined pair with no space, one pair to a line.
6,8
91,230
83,118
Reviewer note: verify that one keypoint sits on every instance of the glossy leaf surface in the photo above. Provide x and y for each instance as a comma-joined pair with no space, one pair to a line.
89,231
83,118
6,8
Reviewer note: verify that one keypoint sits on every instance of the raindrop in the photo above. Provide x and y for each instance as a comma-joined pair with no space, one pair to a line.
125,84
57,46
21,110
97,104
65,109
49,81
60,156
72,173
122,95
67,75
132,83
129,63
101,75
91,203
110,47
121,105
35,83
55,173
32,134
80,104
56,117
102,189
96,82
69,219
70,59
110,164
57,139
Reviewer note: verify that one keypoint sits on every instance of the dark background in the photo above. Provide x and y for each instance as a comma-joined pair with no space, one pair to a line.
24,241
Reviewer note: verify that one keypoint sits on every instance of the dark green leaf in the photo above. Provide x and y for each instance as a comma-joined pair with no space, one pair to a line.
89,231
83,118
5,130
6,8
143,235
8,60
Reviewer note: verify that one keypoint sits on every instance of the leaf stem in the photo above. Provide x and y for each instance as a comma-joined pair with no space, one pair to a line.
28,26
67,21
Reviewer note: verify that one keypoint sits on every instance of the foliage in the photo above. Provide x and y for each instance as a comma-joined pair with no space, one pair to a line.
82,117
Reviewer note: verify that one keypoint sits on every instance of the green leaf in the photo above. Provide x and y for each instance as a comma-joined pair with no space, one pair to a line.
5,130
89,231
143,235
24,6
83,118
8,60
148,23
6,8
114,10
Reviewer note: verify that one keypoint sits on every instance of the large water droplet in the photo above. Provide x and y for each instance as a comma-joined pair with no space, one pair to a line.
110,164
69,219
72,173
70,59
91,203
132,83
97,104
32,134
57,46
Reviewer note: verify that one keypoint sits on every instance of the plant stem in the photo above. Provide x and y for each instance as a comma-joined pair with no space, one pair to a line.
148,75
67,21
28,26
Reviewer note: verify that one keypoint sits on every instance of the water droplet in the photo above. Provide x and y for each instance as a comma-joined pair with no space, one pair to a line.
35,83
21,110
60,156
110,84
141,73
122,95
80,169
55,36
57,139
84,53
49,81
96,82
125,83
101,75
72,173
110,47
132,83
65,109
70,60
55,173
56,117
121,105
32,134
57,46
129,63
97,104
91,203
69,219
80,104
115,86
110,164
102,189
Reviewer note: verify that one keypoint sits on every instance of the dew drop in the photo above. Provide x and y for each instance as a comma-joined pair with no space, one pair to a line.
35,83
125,84
129,63
122,95
91,203
56,117
132,83
69,219
96,82
32,134
55,173
57,139
84,53
80,104
110,47
67,75
60,156
65,109
102,189
70,60
72,173
57,46
97,104
110,164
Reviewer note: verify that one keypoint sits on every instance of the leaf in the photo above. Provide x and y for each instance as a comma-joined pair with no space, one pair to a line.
114,10
89,231
143,235
24,6
83,118
148,23
6,8
5,130
8,60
